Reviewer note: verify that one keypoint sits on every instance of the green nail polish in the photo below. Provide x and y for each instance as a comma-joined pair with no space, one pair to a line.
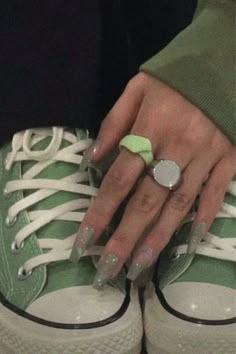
84,239
197,233
106,270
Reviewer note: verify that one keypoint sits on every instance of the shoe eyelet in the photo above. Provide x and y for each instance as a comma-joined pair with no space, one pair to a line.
9,222
6,194
15,249
175,257
5,163
22,274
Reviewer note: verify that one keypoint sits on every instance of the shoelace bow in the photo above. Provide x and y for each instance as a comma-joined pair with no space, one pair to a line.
212,245
53,250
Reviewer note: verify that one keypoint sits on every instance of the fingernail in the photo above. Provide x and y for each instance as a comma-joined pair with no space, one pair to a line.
106,270
88,156
83,240
196,235
142,261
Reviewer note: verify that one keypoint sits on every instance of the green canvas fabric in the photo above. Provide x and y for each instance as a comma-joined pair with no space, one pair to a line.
19,293
200,63
198,268
58,275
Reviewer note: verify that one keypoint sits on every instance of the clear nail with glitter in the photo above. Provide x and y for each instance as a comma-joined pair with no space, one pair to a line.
107,269
84,239
88,156
142,260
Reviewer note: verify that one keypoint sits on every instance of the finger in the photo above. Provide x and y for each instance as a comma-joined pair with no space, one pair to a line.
143,207
139,215
173,212
141,211
115,187
213,193
118,122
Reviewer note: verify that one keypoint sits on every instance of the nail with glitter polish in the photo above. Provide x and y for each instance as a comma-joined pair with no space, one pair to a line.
142,261
196,235
83,240
92,150
107,267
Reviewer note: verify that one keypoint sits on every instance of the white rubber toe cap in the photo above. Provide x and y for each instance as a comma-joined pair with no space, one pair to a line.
201,300
76,305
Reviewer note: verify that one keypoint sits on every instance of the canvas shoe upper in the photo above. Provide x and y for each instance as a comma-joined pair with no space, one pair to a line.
47,303
191,304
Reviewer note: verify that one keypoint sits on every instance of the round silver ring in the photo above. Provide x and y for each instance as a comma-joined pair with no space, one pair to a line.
166,173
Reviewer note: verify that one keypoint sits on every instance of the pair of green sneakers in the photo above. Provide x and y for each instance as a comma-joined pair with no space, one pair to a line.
48,304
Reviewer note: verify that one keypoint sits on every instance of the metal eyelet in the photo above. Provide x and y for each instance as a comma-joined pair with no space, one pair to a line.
9,222
22,274
5,163
6,193
175,257
15,249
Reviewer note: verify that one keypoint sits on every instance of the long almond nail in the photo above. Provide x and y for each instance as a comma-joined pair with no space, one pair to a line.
88,156
196,235
142,261
106,270
84,239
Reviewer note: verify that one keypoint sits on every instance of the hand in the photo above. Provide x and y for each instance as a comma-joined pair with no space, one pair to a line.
179,131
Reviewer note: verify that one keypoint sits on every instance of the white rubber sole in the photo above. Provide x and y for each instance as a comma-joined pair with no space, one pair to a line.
167,334
19,335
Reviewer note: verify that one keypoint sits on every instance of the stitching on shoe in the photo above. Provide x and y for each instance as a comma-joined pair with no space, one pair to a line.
4,256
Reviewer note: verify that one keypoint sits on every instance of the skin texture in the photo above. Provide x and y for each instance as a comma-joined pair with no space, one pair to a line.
179,131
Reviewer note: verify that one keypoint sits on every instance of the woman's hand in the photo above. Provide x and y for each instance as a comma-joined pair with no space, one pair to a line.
179,131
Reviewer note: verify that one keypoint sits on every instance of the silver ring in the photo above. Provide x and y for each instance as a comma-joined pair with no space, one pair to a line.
166,173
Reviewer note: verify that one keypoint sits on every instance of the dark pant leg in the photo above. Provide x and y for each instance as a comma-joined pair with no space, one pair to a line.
66,62
49,63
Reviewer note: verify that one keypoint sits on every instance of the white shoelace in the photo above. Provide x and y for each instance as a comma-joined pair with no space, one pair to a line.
53,250
212,245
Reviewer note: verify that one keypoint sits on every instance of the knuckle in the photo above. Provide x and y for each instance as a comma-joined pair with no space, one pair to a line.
119,238
145,203
115,179
181,202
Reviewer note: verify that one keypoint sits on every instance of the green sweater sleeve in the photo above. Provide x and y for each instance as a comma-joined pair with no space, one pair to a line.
200,63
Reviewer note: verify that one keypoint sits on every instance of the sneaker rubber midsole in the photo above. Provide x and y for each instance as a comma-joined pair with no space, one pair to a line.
22,336
167,334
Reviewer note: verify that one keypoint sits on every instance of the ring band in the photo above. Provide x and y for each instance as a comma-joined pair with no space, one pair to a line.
138,145
166,173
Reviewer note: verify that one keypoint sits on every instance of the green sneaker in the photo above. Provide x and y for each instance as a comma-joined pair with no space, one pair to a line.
47,303
190,305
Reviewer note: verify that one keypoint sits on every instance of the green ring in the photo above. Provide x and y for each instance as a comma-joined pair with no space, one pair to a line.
138,145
